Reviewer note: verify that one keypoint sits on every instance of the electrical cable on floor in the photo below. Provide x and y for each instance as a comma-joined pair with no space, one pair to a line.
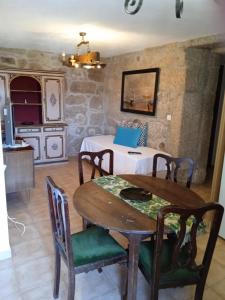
17,224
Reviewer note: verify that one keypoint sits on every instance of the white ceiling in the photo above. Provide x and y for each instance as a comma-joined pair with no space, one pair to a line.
54,25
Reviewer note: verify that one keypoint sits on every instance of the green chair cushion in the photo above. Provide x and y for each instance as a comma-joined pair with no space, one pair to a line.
94,244
146,261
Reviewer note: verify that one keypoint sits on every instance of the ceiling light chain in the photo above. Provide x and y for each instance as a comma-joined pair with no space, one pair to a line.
88,60
133,6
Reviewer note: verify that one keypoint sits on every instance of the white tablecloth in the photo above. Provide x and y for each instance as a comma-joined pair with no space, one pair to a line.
124,163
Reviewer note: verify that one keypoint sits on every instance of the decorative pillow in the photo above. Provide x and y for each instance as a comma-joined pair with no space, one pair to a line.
137,124
127,136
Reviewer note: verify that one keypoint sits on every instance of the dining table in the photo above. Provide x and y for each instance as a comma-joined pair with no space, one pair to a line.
99,202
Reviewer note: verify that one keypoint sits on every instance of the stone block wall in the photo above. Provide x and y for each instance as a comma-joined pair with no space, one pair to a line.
171,61
188,78
83,105
187,86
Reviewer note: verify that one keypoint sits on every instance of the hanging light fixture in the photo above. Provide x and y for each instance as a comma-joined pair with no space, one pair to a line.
133,6
88,60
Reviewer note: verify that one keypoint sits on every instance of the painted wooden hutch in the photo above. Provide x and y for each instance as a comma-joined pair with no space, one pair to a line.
38,111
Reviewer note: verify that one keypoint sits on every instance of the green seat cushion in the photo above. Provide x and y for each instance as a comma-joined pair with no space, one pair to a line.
94,244
146,261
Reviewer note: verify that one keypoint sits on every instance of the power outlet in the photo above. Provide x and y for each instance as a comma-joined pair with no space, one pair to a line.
169,117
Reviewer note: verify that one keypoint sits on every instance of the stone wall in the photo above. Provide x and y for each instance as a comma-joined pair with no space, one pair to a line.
83,92
171,61
198,105
188,79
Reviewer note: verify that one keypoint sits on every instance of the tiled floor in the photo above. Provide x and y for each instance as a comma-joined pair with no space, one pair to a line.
29,274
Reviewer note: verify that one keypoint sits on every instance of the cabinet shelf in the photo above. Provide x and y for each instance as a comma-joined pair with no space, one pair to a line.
27,104
25,91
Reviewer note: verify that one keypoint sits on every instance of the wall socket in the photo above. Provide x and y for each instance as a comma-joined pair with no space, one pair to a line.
169,117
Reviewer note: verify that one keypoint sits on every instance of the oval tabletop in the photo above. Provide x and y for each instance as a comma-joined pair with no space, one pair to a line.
102,208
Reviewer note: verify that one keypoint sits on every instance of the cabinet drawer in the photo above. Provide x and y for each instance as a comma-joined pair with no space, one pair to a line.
53,129
27,130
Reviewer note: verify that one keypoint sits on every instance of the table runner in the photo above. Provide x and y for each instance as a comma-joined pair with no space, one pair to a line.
114,184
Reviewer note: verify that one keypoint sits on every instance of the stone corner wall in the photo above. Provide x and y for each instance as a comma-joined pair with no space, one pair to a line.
83,98
198,105
162,134
188,79
84,106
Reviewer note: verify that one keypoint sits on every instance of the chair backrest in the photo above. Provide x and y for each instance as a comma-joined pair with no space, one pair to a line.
187,261
59,214
173,164
95,159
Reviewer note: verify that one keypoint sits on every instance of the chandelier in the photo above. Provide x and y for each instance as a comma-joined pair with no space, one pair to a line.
88,60
133,6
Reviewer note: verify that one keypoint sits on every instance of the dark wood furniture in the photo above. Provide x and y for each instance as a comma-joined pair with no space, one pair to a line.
92,157
19,173
173,165
108,211
171,263
84,251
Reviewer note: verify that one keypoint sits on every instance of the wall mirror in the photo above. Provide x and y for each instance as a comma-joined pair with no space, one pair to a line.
139,91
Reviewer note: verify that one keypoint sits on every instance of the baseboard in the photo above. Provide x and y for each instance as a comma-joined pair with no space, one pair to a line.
5,254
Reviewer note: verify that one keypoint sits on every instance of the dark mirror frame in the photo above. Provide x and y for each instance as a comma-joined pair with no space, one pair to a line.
155,86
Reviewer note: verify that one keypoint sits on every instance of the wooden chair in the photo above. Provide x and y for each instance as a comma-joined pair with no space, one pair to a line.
173,164
95,159
170,263
83,251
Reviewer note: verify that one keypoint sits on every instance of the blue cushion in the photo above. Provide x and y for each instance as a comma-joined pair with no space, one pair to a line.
144,130
127,136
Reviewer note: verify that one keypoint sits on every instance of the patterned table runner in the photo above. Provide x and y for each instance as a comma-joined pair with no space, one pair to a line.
114,184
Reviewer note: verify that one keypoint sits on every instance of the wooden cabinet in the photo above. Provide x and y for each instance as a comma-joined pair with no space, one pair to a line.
4,90
54,143
26,100
32,136
19,173
38,114
53,104
49,142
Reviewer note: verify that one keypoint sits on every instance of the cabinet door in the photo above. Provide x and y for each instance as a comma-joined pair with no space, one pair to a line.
53,99
35,142
33,137
54,147
4,90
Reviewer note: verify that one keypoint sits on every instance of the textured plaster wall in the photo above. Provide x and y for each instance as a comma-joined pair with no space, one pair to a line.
188,79
83,105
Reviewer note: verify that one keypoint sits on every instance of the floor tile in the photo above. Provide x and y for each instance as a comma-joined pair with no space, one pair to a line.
8,283
216,273
29,274
210,294
28,251
219,288
35,273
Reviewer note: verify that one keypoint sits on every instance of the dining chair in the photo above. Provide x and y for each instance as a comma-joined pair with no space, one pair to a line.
95,159
173,165
84,251
172,262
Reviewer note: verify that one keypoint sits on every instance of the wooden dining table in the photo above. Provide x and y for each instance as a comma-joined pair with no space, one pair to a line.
104,209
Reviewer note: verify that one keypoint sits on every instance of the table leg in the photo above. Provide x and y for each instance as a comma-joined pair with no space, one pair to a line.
134,245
